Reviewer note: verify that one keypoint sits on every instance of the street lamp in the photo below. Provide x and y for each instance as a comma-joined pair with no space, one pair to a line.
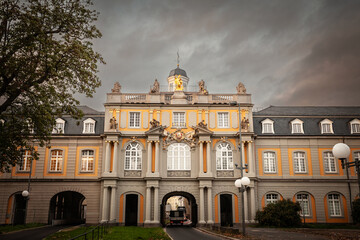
26,193
244,181
342,152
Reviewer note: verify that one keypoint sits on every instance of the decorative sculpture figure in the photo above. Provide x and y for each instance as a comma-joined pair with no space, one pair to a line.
202,89
113,123
245,124
241,88
178,83
202,124
156,87
154,123
117,88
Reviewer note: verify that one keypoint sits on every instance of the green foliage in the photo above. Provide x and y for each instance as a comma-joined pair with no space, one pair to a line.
356,210
284,213
46,55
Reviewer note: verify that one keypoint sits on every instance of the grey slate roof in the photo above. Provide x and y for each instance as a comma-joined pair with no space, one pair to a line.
75,127
177,71
311,116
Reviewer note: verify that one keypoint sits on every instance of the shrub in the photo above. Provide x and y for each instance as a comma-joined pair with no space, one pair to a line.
356,210
284,213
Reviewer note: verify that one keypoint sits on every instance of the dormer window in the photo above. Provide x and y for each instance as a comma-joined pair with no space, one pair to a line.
59,126
355,126
297,126
267,126
89,126
326,126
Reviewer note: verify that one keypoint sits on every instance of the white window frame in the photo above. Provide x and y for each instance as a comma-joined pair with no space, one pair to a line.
299,160
304,204
134,119
59,160
89,125
334,204
178,157
329,162
355,126
269,162
223,119
59,126
297,126
25,164
179,120
271,198
326,126
224,157
133,156
87,160
267,126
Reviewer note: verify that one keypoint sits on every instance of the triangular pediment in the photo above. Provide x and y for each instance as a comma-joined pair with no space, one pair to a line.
159,130
201,131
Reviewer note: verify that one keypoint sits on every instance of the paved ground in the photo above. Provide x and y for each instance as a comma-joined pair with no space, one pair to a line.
33,234
272,233
189,233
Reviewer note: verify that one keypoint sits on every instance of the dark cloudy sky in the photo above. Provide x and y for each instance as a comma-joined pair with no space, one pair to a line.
285,52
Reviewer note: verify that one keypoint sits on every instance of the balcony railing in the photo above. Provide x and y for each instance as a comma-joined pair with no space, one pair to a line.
178,125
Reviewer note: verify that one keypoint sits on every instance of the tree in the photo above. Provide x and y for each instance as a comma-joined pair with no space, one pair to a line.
46,57
283,213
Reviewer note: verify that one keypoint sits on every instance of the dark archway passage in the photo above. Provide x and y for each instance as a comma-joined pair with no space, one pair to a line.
191,200
19,209
67,208
226,211
131,211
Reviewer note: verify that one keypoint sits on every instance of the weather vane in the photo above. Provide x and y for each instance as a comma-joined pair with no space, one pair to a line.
178,58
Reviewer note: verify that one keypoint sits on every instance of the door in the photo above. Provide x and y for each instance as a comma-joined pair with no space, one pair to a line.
19,210
226,210
131,212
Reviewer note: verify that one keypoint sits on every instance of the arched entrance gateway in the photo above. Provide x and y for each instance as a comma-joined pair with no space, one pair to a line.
67,208
190,207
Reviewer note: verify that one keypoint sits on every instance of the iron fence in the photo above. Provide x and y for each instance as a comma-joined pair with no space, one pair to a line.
95,233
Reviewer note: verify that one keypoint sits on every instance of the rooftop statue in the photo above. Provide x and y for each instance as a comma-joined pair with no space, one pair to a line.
117,88
202,89
156,87
178,83
241,88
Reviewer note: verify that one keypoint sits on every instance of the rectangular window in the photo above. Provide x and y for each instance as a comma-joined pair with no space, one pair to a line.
25,161
134,120
89,128
223,120
269,162
299,162
272,198
325,128
296,128
334,205
303,199
355,128
268,128
87,161
329,162
56,160
179,120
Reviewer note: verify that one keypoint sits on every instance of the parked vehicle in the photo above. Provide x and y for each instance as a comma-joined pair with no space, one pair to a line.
177,217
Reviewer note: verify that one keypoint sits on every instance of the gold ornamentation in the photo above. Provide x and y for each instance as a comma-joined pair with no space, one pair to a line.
178,83
223,139
133,139
180,136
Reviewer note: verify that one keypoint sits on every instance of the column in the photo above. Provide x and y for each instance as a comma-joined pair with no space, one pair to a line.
243,154
250,158
147,205
113,205
105,205
115,160
246,206
149,156
157,160
201,157
210,218
201,204
208,156
156,204
107,156
252,202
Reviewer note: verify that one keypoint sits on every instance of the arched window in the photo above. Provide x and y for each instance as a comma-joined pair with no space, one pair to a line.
271,198
326,126
56,160
87,160
89,126
304,200
59,126
133,156
224,157
178,157
267,126
297,126
334,204
355,126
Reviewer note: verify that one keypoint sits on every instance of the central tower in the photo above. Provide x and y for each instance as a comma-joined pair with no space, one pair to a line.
175,74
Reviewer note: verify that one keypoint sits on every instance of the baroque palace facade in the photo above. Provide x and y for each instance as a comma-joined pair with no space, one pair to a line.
124,164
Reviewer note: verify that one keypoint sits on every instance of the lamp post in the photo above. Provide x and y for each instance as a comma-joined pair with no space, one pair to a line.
342,152
26,193
244,181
